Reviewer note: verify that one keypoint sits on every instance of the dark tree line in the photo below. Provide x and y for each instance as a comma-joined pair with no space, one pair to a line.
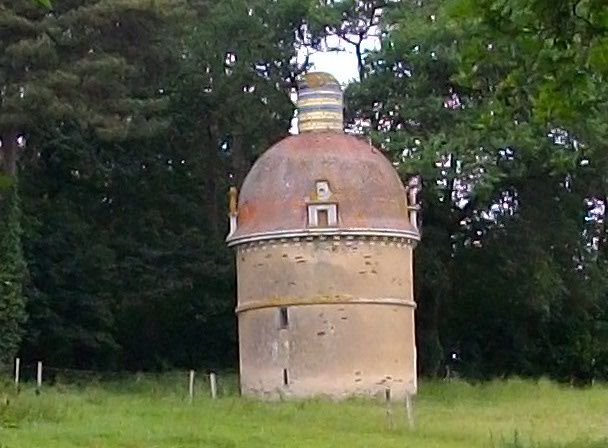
123,123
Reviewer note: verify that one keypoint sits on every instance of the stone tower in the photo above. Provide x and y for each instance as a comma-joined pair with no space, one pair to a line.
324,232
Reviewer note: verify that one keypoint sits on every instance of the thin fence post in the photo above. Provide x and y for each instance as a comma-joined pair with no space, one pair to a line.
17,371
39,375
409,407
191,386
213,385
389,409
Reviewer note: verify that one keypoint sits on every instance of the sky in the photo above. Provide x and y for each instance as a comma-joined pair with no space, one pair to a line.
341,64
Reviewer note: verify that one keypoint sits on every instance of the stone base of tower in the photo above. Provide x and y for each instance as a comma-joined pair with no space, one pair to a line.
336,350
328,389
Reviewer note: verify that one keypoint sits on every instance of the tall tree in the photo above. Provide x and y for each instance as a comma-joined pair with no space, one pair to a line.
85,75
12,276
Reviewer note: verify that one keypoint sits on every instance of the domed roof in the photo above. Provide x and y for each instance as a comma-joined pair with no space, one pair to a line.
322,168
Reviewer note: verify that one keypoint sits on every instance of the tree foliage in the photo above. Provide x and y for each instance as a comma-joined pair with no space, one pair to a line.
12,277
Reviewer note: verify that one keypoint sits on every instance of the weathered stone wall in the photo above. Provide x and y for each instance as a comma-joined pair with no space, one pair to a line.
350,316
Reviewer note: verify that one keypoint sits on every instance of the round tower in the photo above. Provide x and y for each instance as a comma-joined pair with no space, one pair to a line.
324,232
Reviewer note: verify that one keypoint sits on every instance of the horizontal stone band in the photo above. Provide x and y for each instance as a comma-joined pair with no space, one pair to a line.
320,112
325,233
318,93
317,114
260,304
319,106
332,98
320,126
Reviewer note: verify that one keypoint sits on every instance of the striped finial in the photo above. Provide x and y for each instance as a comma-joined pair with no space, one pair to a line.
319,103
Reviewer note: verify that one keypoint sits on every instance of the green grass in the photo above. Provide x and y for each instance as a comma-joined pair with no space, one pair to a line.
154,413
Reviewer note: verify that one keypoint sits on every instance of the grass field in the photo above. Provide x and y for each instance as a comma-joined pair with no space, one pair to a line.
156,414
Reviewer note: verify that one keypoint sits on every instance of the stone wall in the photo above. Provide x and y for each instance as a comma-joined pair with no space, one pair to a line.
326,315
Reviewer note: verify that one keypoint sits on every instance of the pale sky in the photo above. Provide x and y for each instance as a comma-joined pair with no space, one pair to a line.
342,64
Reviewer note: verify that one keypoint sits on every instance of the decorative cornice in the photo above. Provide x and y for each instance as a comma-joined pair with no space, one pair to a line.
386,235
275,303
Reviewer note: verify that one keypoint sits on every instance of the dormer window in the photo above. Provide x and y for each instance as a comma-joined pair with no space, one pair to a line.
322,215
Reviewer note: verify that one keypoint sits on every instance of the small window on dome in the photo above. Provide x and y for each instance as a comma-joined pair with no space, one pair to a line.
323,191
322,215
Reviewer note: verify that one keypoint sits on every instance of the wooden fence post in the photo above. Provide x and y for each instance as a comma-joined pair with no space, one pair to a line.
191,386
389,409
409,407
213,385
17,371
39,376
